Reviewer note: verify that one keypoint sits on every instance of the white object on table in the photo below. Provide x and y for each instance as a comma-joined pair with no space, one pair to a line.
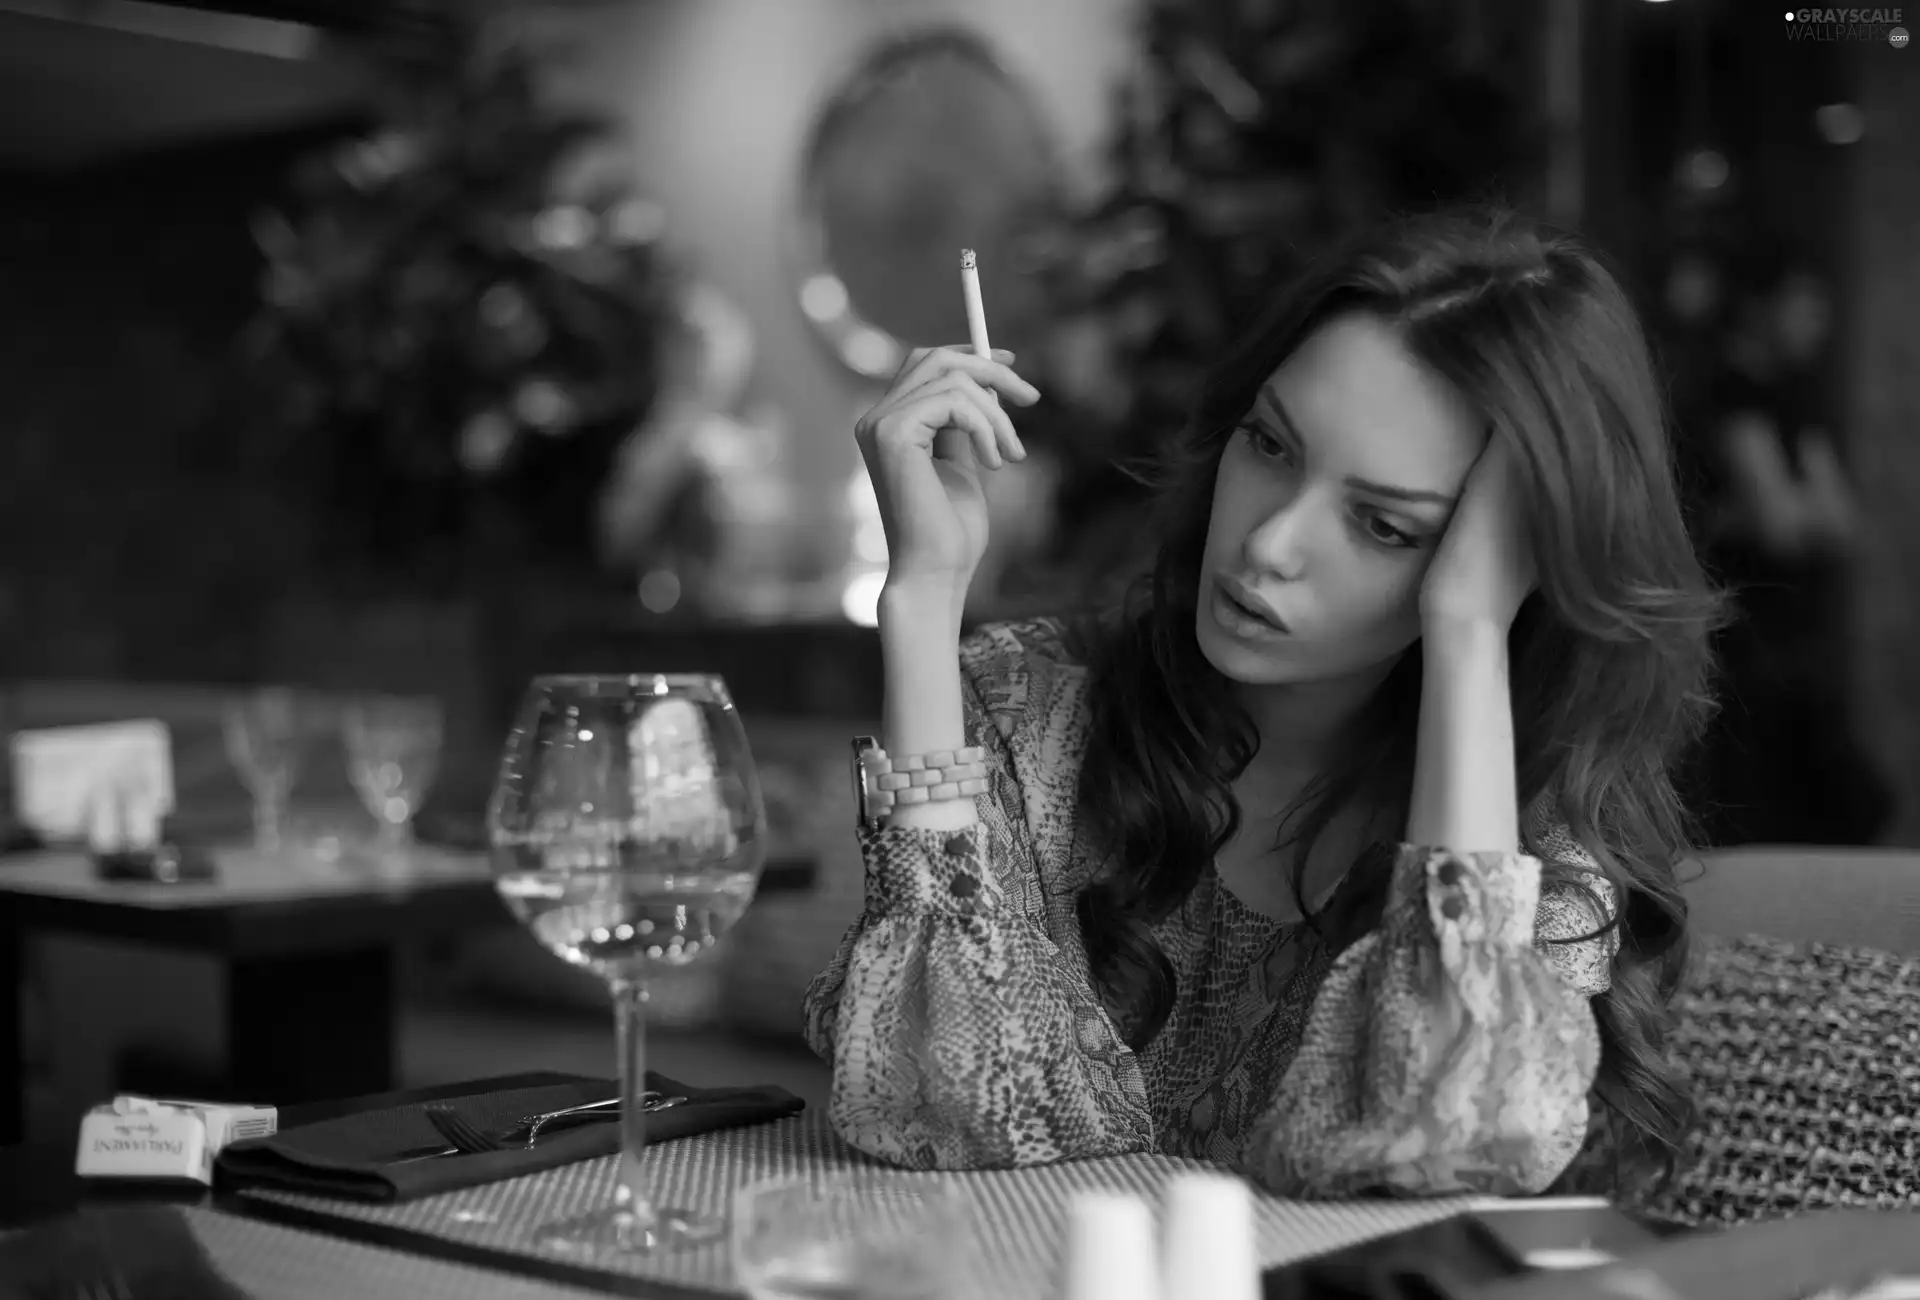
148,1137
120,819
1110,1254
1209,1252
106,820
58,770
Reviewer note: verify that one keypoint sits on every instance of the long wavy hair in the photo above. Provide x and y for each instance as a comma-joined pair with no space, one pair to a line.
1610,662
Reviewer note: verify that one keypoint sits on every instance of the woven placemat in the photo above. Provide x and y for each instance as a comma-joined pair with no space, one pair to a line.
1019,1215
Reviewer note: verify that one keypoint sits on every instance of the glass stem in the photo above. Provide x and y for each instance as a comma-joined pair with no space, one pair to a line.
268,811
630,1034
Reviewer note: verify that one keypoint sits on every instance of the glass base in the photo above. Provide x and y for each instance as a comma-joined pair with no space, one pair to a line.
615,1231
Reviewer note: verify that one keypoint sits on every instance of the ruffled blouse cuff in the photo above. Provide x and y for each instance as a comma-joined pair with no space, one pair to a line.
913,869
1470,898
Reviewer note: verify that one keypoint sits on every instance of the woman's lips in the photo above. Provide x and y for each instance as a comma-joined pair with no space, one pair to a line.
1240,612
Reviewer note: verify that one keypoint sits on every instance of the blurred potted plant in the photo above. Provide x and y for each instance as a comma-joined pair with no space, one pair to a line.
455,338
452,346
1251,135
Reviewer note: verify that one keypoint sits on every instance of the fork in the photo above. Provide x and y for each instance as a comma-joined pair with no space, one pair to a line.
440,1114
650,1101
469,1138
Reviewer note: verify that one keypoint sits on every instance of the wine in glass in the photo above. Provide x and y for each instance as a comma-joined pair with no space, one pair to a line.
627,830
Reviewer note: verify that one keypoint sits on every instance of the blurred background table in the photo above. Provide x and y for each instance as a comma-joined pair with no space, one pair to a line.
318,971
307,946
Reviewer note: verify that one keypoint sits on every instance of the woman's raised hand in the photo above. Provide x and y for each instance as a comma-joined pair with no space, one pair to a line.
925,443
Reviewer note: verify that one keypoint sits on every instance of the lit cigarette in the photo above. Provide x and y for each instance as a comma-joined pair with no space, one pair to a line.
976,310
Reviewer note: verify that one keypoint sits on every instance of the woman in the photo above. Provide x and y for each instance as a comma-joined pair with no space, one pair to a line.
1174,918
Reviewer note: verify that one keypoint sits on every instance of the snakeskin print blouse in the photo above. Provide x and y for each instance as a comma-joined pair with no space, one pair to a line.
1450,1049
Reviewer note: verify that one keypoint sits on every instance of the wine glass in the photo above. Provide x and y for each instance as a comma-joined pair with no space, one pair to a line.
262,733
393,755
627,829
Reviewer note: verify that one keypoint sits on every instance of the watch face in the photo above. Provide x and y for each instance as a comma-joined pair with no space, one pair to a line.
861,744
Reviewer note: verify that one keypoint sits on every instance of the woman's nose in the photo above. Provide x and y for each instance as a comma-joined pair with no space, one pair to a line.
1279,545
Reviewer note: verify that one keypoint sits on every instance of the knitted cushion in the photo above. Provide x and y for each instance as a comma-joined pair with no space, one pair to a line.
1805,1062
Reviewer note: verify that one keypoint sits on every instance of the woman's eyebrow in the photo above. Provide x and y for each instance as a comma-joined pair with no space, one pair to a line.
1400,493
1423,495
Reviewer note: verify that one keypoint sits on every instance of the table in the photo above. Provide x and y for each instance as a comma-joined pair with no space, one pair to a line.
1020,1214
293,932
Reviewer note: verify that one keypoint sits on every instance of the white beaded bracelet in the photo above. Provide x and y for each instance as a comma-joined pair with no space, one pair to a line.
882,783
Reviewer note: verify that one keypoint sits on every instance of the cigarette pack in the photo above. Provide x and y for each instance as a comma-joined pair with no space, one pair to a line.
147,1137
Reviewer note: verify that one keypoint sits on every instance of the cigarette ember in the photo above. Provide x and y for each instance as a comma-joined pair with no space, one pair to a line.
967,259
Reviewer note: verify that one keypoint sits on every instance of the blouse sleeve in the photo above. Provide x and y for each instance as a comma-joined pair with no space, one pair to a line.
1451,1050
960,1036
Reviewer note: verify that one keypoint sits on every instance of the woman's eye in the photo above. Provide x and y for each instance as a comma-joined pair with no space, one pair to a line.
1265,443
1386,534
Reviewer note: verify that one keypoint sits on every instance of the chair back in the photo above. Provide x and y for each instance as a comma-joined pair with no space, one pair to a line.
1804,984
1856,897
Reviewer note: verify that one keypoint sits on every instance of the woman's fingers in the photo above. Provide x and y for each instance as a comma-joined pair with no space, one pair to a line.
918,421
1006,444
1003,355
1006,439
956,409
941,392
928,364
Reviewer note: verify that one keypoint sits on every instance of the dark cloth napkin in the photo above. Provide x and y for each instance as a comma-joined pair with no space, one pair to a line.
365,1156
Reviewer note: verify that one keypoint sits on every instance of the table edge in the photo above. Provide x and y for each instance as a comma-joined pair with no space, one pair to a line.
447,1250
247,927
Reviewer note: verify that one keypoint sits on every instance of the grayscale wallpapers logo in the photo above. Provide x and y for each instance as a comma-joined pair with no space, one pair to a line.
1848,25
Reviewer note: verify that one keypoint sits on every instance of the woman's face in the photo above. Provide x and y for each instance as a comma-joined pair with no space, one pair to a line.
1330,499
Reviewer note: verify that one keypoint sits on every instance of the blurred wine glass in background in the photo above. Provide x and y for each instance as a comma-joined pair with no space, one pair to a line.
393,754
263,737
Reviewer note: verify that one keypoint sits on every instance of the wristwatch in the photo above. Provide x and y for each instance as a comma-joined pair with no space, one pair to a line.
882,783
863,815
